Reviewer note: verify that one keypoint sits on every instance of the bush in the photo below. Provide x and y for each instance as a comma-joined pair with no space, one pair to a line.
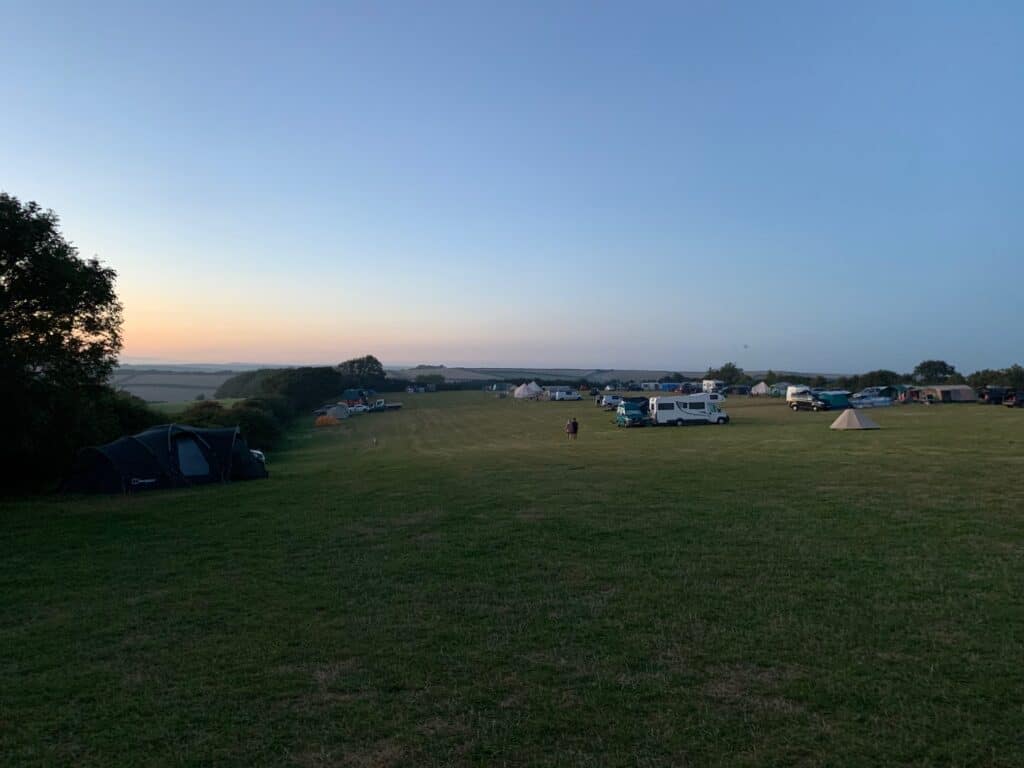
48,425
260,425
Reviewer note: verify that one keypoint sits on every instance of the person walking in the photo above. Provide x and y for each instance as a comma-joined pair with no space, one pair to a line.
575,428
568,430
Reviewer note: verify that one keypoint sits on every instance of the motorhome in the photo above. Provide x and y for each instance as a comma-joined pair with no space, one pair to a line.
680,410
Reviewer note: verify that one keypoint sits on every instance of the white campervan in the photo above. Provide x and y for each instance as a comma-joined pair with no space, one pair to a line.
712,385
680,410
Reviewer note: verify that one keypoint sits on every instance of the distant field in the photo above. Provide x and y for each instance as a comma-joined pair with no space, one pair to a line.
168,386
455,584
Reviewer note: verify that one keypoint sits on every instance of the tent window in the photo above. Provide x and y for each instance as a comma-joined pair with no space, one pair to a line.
191,460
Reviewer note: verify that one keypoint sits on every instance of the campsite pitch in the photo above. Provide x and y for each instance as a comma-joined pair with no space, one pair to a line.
457,584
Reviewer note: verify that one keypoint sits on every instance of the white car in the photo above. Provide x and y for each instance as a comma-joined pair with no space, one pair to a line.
360,408
573,395
611,401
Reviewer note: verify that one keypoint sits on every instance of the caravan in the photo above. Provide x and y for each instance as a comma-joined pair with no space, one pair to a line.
681,410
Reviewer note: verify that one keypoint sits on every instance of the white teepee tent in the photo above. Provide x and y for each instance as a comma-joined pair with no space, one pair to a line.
854,419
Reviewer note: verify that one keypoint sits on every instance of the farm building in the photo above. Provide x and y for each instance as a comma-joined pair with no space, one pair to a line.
948,393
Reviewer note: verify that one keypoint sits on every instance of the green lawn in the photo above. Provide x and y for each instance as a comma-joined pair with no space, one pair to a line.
455,584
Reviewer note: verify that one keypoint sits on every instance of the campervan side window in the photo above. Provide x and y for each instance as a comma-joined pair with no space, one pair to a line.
666,406
696,406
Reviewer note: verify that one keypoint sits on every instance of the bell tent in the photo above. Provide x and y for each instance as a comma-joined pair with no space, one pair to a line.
168,456
527,391
854,419
761,389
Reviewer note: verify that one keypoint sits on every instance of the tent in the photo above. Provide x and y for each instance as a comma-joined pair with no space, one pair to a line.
168,456
852,419
527,391
760,389
948,393
338,411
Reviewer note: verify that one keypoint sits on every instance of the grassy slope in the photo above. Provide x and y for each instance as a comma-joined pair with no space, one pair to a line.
455,584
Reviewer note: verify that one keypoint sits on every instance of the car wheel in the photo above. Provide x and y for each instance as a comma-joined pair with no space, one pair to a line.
720,421
815,409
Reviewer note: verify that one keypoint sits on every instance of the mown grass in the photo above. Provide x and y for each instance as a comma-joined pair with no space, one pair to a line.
455,584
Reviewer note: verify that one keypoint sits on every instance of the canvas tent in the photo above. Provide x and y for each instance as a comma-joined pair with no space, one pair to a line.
168,456
761,389
853,419
527,391
948,393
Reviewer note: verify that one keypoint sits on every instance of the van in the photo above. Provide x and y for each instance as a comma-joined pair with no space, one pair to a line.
685,409
629,415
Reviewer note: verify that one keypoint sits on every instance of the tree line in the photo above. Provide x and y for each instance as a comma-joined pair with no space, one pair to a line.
925,372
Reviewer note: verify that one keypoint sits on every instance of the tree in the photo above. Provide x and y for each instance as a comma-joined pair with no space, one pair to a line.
60,319
934,372
364,370
880,378
60,333
730,373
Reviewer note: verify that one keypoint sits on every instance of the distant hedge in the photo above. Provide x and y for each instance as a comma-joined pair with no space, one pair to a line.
46,425
303,388
262,421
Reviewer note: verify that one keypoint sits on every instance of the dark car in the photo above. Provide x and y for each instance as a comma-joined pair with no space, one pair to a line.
992,395
809,403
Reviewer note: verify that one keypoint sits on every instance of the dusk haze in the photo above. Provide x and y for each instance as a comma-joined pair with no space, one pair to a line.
776,184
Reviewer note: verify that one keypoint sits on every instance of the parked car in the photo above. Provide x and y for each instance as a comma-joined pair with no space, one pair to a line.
629,415
992,395
611,401
359,408
801,398
1012,399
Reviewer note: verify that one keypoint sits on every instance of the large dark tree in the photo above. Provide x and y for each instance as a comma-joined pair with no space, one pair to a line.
60,320
60,332
366,369
934,372
730,373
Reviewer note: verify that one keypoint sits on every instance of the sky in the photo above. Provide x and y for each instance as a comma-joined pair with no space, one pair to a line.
801,186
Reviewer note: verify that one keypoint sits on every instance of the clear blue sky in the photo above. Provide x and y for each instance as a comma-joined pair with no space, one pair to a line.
808,186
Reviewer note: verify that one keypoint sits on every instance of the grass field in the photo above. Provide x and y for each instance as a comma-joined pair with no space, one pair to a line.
454,584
